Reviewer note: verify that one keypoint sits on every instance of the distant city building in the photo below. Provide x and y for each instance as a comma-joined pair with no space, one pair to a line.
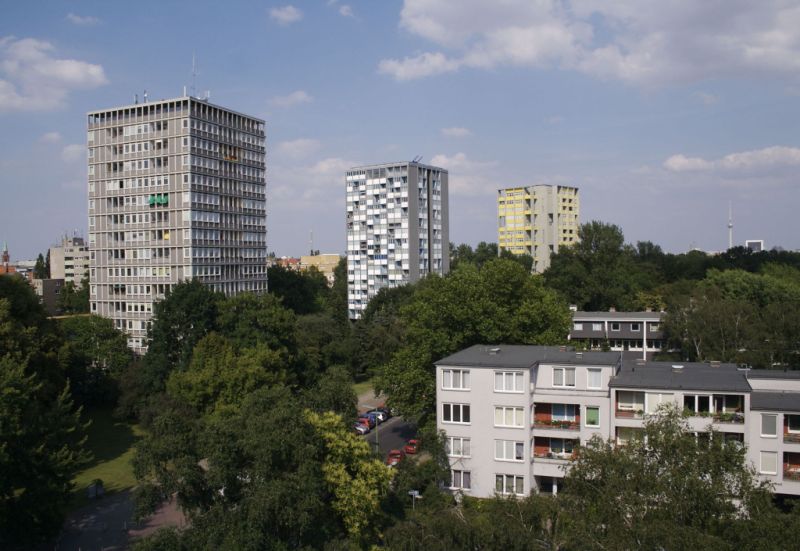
5,261
177,191
755,245
325,263
537,220
397,228
70,260
514,416
636,333
48,291
288,262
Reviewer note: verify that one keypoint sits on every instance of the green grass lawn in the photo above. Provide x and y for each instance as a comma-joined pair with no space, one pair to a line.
111,443
362,387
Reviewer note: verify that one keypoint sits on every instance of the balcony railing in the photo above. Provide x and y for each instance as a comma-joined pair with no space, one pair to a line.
556,424
564,456
791,472
791,438
629,414
735,418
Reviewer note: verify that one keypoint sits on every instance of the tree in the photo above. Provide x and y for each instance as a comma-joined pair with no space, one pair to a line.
664,490
74,300
337,296
41,270
499,303
303,292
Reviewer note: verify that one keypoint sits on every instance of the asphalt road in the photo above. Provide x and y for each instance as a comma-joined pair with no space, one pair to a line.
391,435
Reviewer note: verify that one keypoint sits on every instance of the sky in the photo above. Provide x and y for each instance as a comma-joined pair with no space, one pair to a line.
662,113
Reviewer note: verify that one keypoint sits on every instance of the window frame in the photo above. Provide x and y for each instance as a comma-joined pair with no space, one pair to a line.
597,326
636,327
461,473
563,371
461,408
449,446
612,324
504,484
761,456
504,376
589,372
577,326
586,417
774,418
462,373
789,418
504,409
517,448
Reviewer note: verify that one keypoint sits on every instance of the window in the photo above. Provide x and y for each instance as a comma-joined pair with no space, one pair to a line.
696,404
654,327
577,326
769,425
595,378
655,399
794,423
563,376
460,480
563,412
592,416
508,381
769,463
597,327
455,413
509,450
636,327
507,416
630,401
509,484
615,326
561,446
455,379
457,446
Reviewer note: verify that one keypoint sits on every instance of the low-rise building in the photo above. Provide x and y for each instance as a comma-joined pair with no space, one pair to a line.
640,333
48,291
69,260
513,415
325,263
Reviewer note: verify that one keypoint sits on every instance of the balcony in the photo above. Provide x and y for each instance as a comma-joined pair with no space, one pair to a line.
791,437
791,472
556,424
629,414
562,456
735,418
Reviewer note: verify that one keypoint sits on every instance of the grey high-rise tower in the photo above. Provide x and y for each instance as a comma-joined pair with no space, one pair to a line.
177,191
397,228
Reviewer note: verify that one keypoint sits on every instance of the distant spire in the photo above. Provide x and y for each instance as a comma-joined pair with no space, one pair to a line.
730,225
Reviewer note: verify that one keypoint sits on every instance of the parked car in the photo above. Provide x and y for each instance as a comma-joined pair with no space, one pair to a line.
379,414
412,447
386,413
374,416
364,421
395,457
360,429
368,420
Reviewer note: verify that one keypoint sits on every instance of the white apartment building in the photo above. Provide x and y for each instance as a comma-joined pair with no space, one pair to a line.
636,333
70,260
397,228
513,415
177,191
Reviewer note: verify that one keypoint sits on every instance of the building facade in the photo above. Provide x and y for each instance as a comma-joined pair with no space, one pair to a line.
325,263
70,260
636,333
397,228
177,191
513,415
537,220
49,293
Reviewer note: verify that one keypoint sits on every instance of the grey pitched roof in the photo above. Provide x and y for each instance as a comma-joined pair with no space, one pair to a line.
599,316
525,356
775,401
773,374
693,376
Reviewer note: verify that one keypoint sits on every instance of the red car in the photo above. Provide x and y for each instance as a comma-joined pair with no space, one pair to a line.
412,447
395,457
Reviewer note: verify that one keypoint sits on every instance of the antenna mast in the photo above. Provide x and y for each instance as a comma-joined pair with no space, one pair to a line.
194,75
311,242
730,225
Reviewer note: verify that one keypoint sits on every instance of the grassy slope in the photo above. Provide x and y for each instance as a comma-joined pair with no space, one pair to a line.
111,443
362,387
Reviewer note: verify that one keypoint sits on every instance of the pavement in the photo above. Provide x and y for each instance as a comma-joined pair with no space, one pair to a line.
390,435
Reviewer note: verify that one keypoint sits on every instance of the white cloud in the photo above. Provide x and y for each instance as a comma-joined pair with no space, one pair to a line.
346,11
286,15
706,98
50,137
643,42
758,160
456,132
32,79
305,185
296,149
295,98
423,65
466,176
82,20
73,152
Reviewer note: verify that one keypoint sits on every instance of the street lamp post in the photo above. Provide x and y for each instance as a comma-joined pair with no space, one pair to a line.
414,497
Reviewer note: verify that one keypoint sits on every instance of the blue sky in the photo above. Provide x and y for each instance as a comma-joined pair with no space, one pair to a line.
660,112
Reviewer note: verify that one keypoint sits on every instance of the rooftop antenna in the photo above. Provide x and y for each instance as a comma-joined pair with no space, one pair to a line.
730,225
145,97
194,75
311,242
